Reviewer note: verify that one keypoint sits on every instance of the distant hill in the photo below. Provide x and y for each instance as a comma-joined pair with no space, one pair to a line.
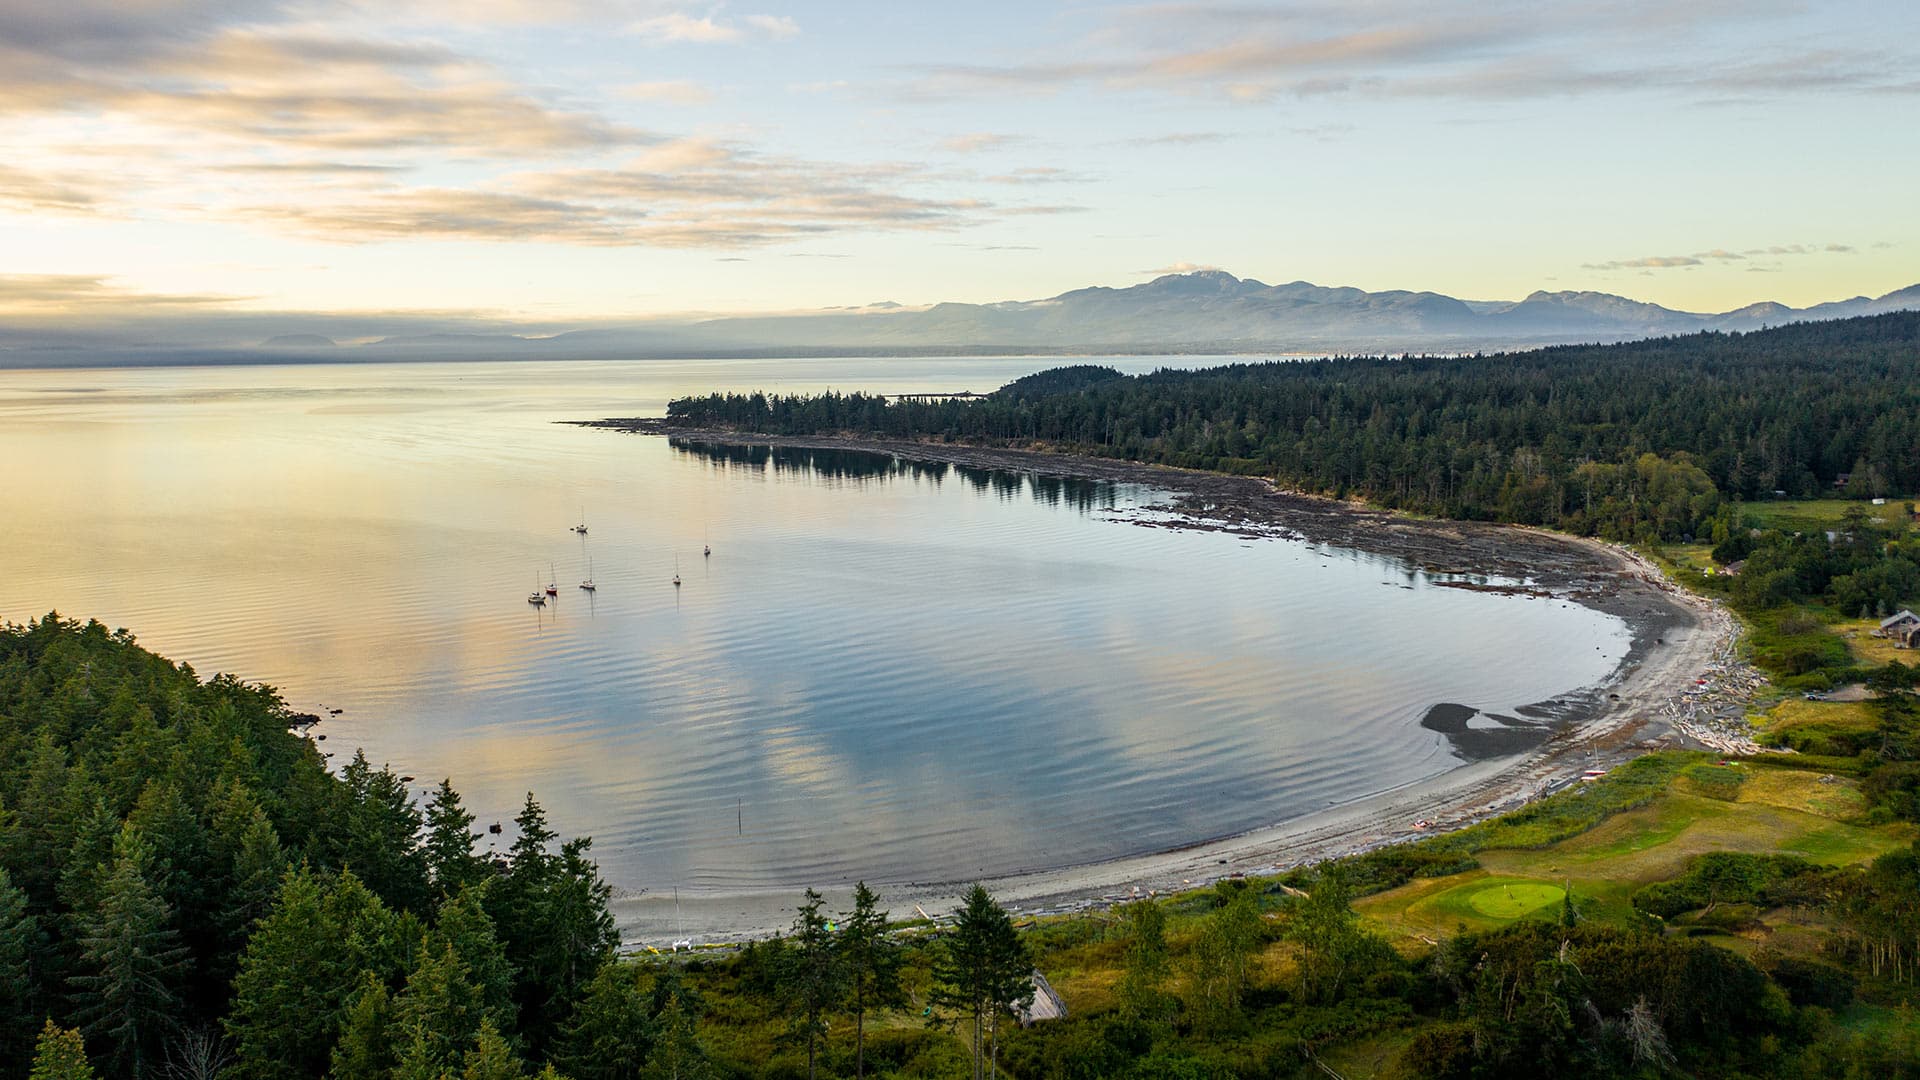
1212,310
1215,308
1207,311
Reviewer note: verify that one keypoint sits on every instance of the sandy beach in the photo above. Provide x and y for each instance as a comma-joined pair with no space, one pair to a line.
1646,702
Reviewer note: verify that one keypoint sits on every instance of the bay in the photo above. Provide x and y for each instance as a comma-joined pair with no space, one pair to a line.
884,670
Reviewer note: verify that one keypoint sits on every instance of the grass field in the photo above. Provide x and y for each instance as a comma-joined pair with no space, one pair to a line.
1866,648
1775,810
1816,515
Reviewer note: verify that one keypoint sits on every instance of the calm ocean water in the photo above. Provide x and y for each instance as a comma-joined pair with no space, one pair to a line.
883,671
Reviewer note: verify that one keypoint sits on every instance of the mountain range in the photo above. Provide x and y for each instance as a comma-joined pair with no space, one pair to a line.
1206,309
1201,311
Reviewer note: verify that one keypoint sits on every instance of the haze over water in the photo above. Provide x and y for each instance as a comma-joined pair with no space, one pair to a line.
884,671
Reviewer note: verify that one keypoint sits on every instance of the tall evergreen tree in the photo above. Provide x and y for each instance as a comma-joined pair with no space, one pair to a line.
440,1010
551,912
20,943
677,1052
464,925
490,1058
132,960
872,963
305,962
379,840
981,969
612,1031
451,857
813,982
365,1049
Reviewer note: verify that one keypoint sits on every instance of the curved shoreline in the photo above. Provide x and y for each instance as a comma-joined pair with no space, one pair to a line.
1676,638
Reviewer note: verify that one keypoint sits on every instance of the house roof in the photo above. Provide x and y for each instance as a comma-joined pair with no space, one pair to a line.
1903,616
1047,1004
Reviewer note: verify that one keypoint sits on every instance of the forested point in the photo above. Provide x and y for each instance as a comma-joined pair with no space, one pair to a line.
187,891
1646,440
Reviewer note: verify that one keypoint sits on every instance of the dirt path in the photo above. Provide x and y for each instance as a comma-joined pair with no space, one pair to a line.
1677,639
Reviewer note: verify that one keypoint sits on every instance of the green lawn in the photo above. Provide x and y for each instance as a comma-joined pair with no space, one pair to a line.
1774,810
1816,515
1510,900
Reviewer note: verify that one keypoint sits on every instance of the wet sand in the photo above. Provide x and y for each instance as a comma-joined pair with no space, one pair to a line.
1507,761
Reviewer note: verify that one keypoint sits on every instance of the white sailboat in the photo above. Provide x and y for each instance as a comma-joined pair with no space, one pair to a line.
582,527
537,598
588,584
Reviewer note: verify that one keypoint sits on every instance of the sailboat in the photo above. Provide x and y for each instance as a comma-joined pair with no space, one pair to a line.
537,598
553,581
588,584
676,571
582,527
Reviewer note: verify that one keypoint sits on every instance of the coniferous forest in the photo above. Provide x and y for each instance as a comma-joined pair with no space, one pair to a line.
1638,441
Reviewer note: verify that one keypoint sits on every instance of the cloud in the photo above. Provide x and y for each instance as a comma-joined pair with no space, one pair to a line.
679,27
54,294
334,118
1486,50
1650,262
683,193
37,192
309,91
114,31
309,168
675,91
1180,138
1033,211
1037,175
974,142
1177,268
450,214
774,26
1701,258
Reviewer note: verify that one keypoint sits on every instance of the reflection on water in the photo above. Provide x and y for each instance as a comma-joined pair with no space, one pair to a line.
831,465
888,669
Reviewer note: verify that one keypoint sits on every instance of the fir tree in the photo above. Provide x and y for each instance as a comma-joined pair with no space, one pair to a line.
380,841
491,1058
132,959
20,941
872,966
612,1031
365,1049
677,1053
981,969
304,963
464,925
449,846
812,983
440,1009
60,1054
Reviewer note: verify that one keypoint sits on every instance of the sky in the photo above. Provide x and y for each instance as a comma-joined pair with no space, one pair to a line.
573,161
